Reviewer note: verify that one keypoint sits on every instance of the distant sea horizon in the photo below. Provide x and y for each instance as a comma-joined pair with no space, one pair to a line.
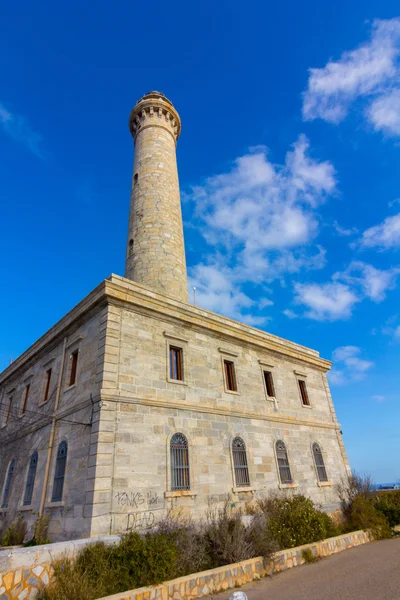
378,486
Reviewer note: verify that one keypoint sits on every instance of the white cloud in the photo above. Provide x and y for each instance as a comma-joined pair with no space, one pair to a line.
259,217
378,398
369,71
343,231
334,300
384,113
351,366
216,291
326,301
385,235
18,128
371,282
289,313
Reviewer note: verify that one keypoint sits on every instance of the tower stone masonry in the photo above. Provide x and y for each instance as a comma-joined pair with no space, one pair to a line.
155,255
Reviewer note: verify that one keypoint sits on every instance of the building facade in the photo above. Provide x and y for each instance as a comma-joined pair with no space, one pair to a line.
138,401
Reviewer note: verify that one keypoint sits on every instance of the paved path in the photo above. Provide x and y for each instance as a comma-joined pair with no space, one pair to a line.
369,572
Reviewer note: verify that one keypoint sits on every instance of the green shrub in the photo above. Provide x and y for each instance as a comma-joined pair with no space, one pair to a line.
226,537
15,533
363,515
296,521
388,504
308,556
39,532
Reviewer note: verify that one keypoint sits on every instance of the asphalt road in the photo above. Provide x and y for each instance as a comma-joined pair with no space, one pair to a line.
369,572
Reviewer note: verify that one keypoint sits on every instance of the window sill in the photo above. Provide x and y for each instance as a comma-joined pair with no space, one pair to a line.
70,387
306,405
177,381
287,486
325,483
43,403
58,504
244,488
25,507
3,510
21,415
232,392
179,493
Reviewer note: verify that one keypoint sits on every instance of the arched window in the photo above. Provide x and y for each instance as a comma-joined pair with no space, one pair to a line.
319,463
30,481
7,487
240,465
180,475
283,463
59,473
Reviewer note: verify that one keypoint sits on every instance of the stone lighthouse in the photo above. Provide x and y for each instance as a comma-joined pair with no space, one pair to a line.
155,255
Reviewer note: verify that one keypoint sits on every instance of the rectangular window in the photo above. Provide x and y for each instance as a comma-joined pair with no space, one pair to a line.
47,385
8,410
74,365
269,384
230,378
303,391
176,363
25,402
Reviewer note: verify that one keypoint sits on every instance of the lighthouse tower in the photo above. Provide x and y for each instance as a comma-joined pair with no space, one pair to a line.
155,255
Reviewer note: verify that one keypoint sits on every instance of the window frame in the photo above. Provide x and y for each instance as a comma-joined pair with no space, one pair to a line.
9,408
176,363
73,367
301,378
175,341
321,482
5,496
56,476
47,383
285,484
25,398
177,471
30,485
240,468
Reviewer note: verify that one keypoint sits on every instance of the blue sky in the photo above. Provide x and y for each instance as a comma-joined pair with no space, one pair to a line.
288,163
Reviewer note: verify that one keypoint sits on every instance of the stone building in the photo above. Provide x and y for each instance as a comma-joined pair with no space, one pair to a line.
137,401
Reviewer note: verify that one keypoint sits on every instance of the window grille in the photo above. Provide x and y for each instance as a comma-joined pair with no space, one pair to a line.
242,477
304,394
176,363
269,384
7,487
180,474
59,474
30,481
230,378
319,463
283,463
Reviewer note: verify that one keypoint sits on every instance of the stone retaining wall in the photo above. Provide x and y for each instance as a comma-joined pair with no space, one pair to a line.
224,578
24,570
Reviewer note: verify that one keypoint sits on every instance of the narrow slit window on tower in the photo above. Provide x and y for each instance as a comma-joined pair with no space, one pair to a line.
303,392
74,366
47,385
130,248
176,363
269,384
25,402
135,178
230,377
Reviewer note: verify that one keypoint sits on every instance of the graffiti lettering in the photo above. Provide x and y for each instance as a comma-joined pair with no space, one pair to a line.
142,520
132,499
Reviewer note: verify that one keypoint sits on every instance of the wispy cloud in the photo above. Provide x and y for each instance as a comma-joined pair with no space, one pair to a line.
378,398
258,219
18,128
384,236
350,367
369,72
343,231
334,300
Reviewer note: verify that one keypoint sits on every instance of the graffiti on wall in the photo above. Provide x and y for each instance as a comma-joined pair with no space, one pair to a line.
137,510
